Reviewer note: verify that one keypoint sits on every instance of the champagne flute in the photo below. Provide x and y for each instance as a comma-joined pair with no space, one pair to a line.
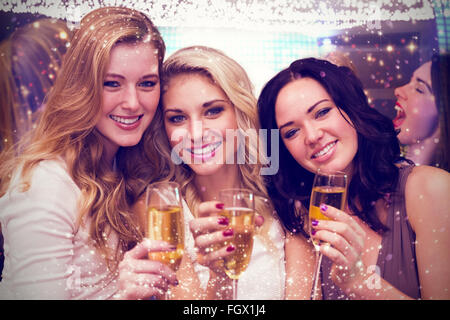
329,187
239,208
164,221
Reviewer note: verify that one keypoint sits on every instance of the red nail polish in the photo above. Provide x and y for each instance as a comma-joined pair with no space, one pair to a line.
230,248
223,221
228,233
220,206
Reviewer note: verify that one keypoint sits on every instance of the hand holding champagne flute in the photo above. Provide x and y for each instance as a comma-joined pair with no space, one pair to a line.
239,209
329,188
164,221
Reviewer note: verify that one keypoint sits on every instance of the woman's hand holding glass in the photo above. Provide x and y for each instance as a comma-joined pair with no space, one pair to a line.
211,232
141,278
342,241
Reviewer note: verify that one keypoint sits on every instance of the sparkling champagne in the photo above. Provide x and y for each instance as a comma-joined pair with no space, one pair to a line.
241,220
333,196
166,224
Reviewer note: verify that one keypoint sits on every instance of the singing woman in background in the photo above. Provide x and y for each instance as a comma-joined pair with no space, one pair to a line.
423,113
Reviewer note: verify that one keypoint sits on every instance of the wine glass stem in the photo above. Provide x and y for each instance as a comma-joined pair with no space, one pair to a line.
316,275
234,284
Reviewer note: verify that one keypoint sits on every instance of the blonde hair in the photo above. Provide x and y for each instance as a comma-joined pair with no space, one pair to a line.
67,126
228,75
29,62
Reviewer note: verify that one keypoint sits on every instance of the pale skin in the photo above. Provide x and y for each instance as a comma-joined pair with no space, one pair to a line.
353,244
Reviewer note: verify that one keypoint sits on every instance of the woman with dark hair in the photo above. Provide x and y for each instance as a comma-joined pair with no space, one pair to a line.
422,113
389,242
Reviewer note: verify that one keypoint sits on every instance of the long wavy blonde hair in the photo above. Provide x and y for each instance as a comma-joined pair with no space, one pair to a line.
228,75
67,126
29,62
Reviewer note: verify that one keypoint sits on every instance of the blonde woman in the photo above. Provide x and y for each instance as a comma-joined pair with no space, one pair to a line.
205,94
64,215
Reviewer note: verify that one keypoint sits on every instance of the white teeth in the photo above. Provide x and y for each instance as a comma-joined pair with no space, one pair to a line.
398,108
124,120
324,150
202,151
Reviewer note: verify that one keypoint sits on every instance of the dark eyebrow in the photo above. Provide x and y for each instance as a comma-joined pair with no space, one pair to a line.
285,125
172,110
310,109
426,84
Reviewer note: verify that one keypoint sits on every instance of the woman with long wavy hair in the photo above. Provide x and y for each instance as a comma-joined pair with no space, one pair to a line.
390,241
66,220
204,94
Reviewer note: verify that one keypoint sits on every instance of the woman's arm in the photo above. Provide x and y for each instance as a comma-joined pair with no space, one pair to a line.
428,207
39,228
347,243
300,260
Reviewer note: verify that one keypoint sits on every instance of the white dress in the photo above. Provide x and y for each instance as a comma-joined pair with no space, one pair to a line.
265,276
46,255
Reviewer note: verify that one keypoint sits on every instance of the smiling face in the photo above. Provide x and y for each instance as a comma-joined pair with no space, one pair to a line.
417,114
313,129
130,95
197,114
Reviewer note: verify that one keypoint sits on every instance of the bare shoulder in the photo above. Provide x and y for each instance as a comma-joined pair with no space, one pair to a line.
426,180
427,194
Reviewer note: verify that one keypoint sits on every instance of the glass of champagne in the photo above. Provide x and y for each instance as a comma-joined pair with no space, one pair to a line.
164,221
240,210
329,187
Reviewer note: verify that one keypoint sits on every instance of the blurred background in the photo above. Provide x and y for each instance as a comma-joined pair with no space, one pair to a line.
384,40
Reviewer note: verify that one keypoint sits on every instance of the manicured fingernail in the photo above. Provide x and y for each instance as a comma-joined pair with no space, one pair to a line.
223,221
176,283
220,206
260,219
315,223
228,233
323,207
313,232
230,248
153,298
